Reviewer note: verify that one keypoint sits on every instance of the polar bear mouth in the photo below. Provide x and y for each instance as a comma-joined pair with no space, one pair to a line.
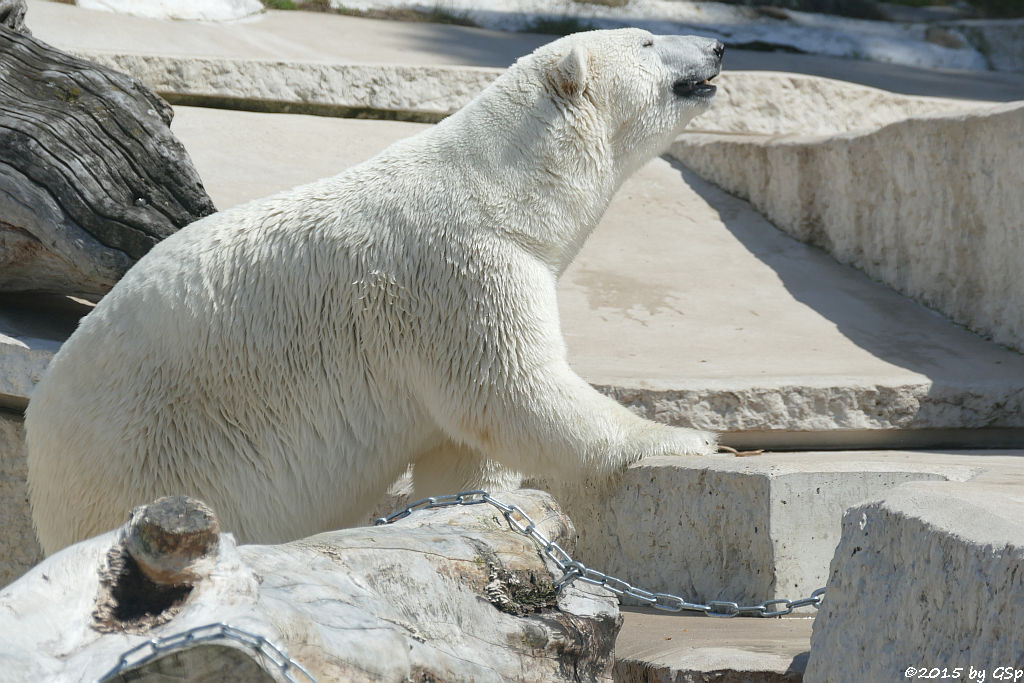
691,88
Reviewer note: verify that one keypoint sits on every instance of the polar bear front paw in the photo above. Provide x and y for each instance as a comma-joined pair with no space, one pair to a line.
693,442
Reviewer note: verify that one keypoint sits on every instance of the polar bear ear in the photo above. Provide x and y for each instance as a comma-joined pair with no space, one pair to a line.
570,74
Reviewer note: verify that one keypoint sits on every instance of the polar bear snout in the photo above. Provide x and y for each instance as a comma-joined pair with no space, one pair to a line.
694,61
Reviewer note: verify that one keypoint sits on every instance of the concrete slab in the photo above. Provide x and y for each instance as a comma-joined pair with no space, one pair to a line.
310,37
675,648
926,578
747,529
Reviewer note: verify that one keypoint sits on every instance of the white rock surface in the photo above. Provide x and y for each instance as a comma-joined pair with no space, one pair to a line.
183,10
741,529
412,601
931,206
928,576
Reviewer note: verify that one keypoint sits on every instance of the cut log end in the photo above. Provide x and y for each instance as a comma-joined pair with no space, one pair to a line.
169,537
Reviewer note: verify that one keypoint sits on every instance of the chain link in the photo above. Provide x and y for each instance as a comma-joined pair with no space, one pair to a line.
577,571
158,647
518,520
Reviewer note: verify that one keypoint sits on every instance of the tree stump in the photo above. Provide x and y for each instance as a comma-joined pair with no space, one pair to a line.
90,175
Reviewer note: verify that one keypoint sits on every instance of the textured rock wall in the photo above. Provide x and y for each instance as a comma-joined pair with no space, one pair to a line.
931,206
930,576
19,549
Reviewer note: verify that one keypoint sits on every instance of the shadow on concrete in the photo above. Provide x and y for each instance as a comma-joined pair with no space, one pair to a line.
885,323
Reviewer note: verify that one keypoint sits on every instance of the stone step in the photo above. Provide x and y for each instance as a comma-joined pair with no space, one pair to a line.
654,647
756,528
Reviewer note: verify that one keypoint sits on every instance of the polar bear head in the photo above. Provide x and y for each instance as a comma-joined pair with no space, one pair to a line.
633,89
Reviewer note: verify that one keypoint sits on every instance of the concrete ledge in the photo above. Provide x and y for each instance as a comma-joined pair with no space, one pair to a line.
930,206
743,529
415,93
748,101
654,647
928,576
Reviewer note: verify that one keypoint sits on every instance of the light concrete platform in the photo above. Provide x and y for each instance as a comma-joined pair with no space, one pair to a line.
655,647
312,38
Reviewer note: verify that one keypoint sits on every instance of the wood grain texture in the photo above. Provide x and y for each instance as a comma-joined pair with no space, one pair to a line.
90,175
449,594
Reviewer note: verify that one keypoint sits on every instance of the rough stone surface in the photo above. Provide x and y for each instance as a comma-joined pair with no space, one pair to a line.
738,529
654,647
450,594
927,576
930,206
19,549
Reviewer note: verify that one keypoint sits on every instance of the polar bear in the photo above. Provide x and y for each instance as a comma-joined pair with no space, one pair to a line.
286,360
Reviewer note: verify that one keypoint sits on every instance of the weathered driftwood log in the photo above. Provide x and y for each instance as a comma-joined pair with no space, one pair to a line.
90,175
448,594
12,15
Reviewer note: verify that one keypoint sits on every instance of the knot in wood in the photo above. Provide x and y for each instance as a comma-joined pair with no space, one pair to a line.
169,536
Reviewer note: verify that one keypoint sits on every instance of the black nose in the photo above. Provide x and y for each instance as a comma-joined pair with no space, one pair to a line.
719,49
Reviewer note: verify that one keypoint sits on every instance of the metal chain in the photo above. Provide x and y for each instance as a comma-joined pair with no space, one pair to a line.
577,571
518,520
158,647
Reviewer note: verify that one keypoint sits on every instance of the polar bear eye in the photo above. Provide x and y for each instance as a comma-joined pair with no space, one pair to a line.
649,42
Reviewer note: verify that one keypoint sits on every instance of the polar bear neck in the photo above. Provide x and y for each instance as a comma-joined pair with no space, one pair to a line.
543,170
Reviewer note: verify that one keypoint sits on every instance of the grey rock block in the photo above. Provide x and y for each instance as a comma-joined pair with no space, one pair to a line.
737,529
927,576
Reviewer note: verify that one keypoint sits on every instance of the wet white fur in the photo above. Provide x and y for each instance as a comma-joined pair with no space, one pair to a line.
286,360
